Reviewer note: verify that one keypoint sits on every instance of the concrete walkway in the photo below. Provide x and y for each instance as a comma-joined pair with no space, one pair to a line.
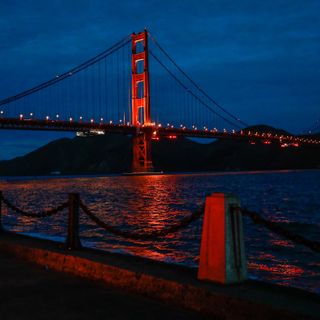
125,287
35,292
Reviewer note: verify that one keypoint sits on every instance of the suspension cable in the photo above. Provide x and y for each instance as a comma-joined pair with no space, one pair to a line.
69,73
195,84
192,93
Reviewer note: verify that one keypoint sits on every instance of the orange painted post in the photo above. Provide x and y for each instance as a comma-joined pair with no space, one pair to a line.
1,226
222,252
73,240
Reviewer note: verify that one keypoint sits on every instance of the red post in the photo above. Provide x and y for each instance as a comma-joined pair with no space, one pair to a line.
222,254
73,240
142,161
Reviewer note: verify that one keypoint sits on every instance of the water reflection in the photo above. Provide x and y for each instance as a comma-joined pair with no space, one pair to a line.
148,203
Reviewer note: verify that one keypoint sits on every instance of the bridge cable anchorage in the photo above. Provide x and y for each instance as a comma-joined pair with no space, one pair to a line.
192,93
41,214
276,228
152,235
120,44
195,84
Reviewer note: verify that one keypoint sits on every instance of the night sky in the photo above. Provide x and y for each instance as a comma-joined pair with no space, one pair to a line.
258,59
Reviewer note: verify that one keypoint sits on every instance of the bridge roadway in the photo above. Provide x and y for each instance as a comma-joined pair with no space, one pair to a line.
155,131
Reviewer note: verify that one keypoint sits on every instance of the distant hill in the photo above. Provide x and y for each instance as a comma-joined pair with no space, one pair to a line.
112,154
265,128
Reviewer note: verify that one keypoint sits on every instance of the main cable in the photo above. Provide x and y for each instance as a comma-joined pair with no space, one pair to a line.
69,73
195,84
193,94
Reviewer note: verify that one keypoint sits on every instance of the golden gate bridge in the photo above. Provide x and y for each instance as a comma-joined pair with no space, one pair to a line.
134,88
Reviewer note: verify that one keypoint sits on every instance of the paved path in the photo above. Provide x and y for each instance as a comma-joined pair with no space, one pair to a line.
33,292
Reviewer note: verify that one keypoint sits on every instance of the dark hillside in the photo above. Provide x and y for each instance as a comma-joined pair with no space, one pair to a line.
112,154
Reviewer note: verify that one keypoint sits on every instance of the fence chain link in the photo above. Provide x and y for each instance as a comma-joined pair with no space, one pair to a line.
143,235
276,228
183,223
42,214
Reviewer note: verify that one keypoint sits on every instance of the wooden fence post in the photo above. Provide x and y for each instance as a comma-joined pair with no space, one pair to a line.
222,253
73,240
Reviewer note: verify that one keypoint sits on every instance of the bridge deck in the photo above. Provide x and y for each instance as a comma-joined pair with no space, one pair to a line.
171,132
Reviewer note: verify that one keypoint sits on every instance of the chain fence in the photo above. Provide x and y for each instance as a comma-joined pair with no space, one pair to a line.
181,224
280,230
151,235
41,214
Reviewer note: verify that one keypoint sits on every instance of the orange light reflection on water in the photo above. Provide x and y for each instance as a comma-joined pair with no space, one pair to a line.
151,210
274,268
147,203
280,269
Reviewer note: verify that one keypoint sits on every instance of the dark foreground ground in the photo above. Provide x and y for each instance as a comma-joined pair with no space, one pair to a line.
33,292
114,286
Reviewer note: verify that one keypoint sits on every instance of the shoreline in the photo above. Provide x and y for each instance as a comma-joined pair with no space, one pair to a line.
197,173
265,269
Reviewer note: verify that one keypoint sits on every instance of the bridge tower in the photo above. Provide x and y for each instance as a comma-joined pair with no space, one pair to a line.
140,103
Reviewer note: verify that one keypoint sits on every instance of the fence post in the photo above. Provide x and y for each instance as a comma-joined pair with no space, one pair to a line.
222,254
73,240
1,226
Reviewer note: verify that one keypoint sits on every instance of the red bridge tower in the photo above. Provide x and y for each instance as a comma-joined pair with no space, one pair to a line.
141,103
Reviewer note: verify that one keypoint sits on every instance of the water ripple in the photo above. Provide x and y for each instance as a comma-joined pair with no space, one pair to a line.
154,202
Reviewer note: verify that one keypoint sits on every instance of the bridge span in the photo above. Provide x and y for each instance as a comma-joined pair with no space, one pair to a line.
133,88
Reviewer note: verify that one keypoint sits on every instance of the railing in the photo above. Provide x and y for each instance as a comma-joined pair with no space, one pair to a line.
220,212
281,231
74,204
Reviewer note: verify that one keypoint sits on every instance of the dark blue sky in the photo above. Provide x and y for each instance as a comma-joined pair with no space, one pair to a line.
258,59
